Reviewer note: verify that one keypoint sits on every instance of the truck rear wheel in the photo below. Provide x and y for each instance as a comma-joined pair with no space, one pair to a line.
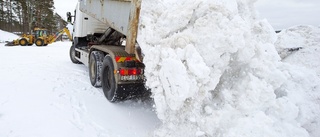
108,82
72,54
95,66
39,42
23,42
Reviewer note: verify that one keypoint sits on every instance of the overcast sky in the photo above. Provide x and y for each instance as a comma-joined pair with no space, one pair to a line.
280,13
64,6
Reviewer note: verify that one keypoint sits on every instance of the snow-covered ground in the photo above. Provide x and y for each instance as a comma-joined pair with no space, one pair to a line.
43,94
214,69
5,36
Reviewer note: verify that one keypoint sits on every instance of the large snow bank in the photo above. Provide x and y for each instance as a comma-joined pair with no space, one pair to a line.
305,73
7,36
214,71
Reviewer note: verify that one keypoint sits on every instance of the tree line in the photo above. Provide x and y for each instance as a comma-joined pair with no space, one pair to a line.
22,16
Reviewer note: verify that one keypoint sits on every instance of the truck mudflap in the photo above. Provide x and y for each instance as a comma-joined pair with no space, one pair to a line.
129,91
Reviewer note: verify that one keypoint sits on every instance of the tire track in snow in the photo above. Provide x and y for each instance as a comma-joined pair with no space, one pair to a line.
69,96
62,100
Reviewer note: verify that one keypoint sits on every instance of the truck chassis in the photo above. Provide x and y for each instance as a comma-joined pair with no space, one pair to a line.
112,65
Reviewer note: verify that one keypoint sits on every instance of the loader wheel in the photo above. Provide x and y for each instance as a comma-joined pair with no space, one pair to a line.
45,44
39,42
72,54
95,66
23,42
108,82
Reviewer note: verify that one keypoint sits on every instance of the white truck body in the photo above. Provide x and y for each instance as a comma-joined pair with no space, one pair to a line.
121,15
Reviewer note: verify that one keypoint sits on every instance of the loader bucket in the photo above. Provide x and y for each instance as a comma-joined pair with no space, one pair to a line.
10,44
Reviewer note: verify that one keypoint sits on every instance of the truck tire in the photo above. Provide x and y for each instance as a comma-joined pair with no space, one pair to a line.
108,82
95,66
72,54
23,42
39,42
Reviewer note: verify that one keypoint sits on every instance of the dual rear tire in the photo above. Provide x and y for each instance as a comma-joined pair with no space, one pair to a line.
101,73
108,82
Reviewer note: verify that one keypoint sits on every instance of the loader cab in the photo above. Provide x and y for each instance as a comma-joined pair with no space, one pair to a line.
40,33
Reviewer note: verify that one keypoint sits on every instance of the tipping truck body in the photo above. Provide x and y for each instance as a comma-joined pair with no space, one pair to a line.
104,39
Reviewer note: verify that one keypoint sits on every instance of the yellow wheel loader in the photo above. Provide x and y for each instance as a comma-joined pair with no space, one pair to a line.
40,38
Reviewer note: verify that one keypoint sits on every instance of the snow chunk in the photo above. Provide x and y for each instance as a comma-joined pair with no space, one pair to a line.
295,38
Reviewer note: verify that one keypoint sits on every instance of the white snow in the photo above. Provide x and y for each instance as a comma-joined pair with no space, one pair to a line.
214,69
43,94
6,36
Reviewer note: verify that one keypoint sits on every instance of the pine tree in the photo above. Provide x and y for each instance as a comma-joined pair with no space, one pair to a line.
1,14
18,11
24,15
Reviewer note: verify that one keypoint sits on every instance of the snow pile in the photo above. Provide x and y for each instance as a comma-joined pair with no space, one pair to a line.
305,73
214,71
297,37
7,36
304,38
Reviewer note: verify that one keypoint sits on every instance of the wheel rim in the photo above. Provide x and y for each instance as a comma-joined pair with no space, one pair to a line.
38,42
23,42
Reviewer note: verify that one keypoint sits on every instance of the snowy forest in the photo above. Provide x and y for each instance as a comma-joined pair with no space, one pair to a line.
22,16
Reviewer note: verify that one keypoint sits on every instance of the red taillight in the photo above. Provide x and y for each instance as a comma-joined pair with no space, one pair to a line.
131,71
123,72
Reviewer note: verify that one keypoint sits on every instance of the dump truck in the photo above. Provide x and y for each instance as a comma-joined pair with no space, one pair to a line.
40,38
104,40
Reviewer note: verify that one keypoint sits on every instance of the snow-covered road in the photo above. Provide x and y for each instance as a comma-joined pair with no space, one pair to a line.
43,94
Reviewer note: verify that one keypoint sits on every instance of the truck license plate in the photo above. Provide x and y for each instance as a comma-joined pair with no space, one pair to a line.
131,77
